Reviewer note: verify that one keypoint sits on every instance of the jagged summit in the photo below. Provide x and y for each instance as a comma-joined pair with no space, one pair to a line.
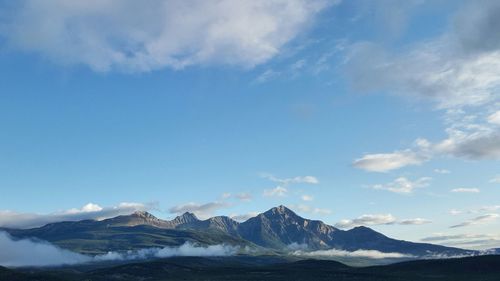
185,218
143,214
280,210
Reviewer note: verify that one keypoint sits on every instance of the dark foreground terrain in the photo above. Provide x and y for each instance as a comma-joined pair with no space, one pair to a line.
482,268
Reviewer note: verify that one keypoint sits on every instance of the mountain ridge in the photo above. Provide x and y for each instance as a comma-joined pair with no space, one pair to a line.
278,228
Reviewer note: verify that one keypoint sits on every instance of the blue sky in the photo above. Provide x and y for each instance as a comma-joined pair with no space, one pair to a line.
377,113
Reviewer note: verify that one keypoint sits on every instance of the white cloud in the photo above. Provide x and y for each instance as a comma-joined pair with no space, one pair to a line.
477,220
244,217
26,252
457,72
266,76
286,181
436,71
226,195
415,221
306,197
403,185
372,254
244,196
384,162
441,171
13,219
455,212
489,208
494,118
496,179
465,190
379,219
312,210
201,210
131,36
277,191
282,188
466,139
466,240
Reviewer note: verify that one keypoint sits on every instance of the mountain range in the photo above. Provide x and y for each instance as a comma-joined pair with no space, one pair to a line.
278,229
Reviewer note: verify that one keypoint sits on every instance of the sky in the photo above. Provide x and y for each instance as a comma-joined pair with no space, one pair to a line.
377,113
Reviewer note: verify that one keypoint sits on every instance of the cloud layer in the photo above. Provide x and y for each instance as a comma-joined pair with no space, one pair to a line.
35,253
378,219
130,36
26,252
371,254
456,72
12,219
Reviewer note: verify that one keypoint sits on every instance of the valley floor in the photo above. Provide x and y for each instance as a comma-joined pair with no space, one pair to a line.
484,268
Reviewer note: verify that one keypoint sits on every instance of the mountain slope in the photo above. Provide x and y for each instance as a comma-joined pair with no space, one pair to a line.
280,227
366,238
91,237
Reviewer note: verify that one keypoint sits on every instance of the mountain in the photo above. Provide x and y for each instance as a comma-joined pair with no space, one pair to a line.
123,233
279,229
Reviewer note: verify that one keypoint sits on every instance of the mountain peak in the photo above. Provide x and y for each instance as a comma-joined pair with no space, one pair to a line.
185,218
143,214
280,210
189,215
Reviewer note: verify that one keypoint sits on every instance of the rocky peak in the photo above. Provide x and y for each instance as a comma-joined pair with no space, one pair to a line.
143,214
185,218
280,211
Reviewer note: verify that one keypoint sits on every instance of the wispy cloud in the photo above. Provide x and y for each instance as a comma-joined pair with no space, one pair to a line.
465,190
164,33
244,217
403,185
372,254
306,197
477,220
205,210
313,210
494,118
456,72
384,162
468,240
379,219
441,171
277,191
496,179
282,188
26,252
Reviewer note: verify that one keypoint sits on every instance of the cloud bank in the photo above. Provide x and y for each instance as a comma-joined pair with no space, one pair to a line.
127,35
379,219
456,72
11,219
371,254
478,220
27,252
